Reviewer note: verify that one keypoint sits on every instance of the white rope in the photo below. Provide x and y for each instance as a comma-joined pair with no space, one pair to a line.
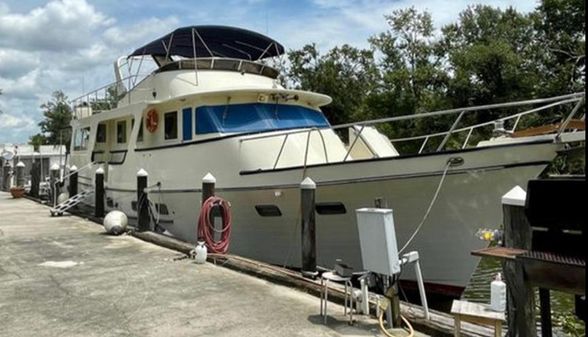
433,201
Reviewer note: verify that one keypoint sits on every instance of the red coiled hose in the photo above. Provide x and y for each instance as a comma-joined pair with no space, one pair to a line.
206,228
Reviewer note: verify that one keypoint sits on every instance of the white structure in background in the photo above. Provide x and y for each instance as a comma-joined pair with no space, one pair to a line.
47,154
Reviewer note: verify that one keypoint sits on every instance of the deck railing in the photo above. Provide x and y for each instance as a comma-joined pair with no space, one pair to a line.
498,125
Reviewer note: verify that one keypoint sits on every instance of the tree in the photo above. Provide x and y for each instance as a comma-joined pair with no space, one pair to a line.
37,140
57,116
411,70
345,73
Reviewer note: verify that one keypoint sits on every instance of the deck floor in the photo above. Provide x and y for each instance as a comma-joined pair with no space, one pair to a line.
62,276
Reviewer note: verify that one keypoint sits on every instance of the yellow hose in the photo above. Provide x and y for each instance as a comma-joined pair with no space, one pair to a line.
383,328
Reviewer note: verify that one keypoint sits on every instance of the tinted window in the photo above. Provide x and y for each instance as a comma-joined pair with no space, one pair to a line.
101,133
121,132
81,139
171,125
256,117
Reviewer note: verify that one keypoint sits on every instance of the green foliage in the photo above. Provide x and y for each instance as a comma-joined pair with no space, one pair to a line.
489,55
37,140
345,73
57,116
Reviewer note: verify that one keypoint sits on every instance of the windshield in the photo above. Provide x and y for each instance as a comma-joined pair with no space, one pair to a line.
256,117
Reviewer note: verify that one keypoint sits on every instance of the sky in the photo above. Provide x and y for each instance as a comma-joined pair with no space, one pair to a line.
70,45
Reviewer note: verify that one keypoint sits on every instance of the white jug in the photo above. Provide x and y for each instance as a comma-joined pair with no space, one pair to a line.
498,294
201,252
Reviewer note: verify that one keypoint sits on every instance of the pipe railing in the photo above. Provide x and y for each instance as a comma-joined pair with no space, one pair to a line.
578,98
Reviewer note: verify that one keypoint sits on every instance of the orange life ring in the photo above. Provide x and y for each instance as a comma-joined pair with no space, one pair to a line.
151,120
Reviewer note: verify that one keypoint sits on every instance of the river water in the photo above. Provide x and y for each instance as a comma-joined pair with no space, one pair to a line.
562,305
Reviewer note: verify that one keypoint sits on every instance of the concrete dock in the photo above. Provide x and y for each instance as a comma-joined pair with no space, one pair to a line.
62,276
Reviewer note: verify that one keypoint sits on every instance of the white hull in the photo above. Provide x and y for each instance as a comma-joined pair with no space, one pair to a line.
469,200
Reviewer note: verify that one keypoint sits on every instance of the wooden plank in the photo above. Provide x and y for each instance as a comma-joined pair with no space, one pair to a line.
476,310
574,124
499,252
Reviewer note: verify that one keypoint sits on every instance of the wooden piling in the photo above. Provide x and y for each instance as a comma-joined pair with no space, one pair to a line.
54,181
208,186
35,179
520,295
73,181
307,209
143,221
545,303
20,170
99,193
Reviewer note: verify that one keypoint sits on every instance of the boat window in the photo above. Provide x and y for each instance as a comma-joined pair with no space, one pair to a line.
255,117
140,134
330,208
81,139
171,125
101,133
268,210
121,132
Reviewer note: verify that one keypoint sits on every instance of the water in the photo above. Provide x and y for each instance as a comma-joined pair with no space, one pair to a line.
562,305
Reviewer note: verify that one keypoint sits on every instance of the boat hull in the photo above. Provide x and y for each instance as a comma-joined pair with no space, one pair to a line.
469,199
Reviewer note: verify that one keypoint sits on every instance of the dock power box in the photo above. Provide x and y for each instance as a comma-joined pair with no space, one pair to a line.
377,238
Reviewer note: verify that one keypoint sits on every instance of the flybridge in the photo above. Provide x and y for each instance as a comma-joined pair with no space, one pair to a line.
196,48
211,41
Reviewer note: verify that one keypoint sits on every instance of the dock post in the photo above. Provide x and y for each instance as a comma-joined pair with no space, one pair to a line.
307,202
99,193
54,181
520,295
35,178
208,185
6,177
20,179
545,303
143,221
73,181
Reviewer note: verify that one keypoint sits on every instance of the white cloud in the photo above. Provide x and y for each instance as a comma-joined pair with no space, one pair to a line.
70,45
15,63
139,33
59,25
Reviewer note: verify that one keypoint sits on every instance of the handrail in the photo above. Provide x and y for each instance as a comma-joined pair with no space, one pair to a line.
573,97
547,104
545,107
308,132
76,171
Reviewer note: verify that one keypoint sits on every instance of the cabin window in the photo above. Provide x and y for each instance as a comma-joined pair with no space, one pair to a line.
121,132
140,134
256,117
330,208
81,139
101,133
170,122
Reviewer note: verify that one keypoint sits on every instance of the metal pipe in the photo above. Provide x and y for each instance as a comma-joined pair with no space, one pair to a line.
442,145
465,143
281,149
424,143
569,119
354,141
421,284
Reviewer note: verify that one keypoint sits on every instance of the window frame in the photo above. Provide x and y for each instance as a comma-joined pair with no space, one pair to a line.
175,126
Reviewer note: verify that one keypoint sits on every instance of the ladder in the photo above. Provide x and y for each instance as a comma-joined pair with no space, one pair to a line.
71,202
